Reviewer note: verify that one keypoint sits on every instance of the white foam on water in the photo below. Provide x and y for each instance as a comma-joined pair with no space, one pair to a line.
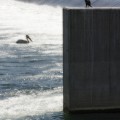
30,105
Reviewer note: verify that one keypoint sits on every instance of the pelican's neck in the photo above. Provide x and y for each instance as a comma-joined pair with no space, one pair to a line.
27,39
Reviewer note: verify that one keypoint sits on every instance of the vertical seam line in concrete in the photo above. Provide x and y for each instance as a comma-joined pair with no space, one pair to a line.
92,47
69,55
110,12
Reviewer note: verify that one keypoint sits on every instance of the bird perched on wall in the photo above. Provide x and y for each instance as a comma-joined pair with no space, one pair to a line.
88,3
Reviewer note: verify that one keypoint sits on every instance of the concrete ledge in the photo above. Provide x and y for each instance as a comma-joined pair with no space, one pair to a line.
91,58
91,8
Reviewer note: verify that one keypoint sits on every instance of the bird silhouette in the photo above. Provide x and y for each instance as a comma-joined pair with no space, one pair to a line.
21,41
88,3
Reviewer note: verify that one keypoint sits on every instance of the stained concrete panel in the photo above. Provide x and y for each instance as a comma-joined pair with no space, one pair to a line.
91,58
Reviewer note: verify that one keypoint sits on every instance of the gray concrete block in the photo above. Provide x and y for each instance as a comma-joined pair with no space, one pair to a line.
91,58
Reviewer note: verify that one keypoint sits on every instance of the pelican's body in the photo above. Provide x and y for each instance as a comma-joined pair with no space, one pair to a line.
21,41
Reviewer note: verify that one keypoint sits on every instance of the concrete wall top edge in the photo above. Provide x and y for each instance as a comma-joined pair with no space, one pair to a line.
93,8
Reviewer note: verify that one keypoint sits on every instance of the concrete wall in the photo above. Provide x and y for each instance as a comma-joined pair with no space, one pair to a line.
91,58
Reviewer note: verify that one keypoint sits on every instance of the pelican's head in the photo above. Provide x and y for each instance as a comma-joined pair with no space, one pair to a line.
28,38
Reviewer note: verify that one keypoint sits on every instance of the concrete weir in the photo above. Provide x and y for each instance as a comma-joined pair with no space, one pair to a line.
91,58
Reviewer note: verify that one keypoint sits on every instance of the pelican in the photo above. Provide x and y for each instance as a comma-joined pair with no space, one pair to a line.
21,41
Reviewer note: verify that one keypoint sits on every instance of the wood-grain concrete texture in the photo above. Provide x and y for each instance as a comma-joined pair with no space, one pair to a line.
91,58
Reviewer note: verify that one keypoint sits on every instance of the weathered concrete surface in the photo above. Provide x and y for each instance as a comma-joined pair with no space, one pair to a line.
91,58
